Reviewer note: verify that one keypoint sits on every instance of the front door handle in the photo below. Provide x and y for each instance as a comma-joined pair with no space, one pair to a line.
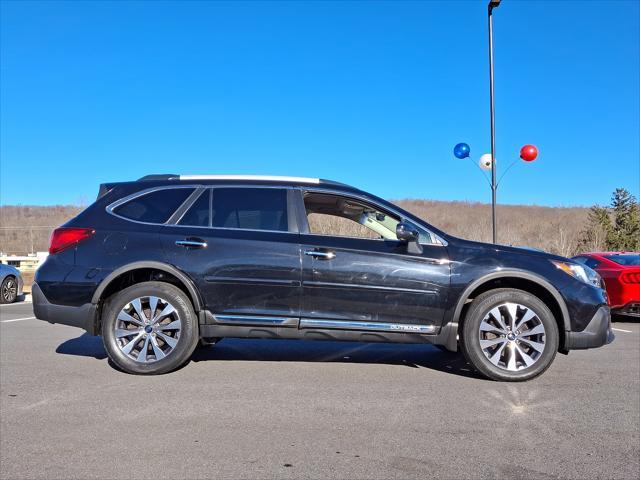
320,255
191,243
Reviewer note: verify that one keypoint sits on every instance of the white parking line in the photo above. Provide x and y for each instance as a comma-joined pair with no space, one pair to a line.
17,319
621,330
16,304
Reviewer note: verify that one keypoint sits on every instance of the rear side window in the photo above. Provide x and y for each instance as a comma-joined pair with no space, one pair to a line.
250,208
627,259
154,207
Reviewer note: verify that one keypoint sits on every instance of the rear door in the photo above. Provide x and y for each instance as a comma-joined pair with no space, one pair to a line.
240,245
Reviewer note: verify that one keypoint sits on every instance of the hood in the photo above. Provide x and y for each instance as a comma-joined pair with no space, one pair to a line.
496,248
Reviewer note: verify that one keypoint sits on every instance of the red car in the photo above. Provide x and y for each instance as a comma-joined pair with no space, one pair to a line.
621,274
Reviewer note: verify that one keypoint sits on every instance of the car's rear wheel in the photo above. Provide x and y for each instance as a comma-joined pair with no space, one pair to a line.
9,290
149,328
509,335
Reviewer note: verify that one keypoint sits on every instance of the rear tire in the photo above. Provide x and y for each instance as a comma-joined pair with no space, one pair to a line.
149,328
509,335
9,290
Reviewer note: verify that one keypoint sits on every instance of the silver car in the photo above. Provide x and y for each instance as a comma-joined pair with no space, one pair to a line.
10,283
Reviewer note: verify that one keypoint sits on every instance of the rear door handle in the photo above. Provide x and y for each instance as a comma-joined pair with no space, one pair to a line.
192,243
320,255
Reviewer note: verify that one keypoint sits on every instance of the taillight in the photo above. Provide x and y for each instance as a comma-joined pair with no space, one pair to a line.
630,277
63,238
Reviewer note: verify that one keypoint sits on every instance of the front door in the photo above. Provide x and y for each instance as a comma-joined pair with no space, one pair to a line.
357,275
241,248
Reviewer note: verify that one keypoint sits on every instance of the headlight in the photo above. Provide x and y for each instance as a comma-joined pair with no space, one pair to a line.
581,272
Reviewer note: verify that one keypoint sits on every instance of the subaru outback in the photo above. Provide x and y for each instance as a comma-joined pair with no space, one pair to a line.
159,265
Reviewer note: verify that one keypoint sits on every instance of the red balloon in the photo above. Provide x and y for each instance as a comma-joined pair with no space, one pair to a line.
528,153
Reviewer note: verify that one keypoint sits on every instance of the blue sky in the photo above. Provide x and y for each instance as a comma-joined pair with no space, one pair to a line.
375,94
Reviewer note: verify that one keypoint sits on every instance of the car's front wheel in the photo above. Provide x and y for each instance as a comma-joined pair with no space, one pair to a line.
509,335
149,328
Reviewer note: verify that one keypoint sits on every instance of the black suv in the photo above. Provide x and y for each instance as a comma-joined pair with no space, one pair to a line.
160,264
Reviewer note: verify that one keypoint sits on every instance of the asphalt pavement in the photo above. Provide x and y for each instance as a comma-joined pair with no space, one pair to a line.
293,409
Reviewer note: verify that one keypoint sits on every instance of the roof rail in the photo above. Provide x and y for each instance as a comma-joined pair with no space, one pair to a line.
262,178
266,178
159,176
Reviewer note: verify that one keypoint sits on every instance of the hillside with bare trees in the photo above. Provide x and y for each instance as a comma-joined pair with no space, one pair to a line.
554,229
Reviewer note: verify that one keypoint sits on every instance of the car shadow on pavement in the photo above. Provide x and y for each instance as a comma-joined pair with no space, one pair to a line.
409,355
617,318
251,350
84,346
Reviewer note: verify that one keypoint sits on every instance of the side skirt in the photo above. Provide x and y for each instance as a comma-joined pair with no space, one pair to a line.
247,326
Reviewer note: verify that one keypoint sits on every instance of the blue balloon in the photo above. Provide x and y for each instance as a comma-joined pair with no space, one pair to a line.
461,150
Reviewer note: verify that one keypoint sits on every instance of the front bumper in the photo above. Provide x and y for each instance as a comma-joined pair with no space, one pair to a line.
631,309
82,316
20,286
596,334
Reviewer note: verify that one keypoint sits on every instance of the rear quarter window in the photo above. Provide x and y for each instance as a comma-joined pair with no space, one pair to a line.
154,207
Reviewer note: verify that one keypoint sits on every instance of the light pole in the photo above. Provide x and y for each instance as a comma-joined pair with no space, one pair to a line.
494,184
462,150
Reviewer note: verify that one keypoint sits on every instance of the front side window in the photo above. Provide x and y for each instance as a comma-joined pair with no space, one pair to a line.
250,208
340,216
154,207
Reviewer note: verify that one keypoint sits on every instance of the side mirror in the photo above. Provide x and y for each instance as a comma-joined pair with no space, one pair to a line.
407,232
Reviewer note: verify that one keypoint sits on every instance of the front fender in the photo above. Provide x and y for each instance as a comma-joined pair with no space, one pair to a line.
452,316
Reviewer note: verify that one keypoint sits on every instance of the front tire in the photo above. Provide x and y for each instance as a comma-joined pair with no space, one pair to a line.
149,328
509,335
9,290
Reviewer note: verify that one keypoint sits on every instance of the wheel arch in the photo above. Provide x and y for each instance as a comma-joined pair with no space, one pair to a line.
185,282
527,281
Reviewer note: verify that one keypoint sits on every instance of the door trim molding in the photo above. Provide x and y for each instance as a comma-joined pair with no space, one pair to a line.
255,320
251,281
311,283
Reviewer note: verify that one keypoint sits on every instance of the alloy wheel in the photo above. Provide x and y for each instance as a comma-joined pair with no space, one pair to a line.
148,329
512,336
9,290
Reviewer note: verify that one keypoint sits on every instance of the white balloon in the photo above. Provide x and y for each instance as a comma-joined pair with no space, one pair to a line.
485,161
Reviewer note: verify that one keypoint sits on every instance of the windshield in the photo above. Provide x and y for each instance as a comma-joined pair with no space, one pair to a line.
626,259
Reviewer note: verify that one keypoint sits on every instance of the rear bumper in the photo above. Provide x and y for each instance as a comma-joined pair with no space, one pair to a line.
82,316
596,334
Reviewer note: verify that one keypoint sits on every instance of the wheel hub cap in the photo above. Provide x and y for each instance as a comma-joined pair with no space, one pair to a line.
148,329
512,336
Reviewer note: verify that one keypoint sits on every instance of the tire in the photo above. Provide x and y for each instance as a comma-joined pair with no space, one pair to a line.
141,345
9,290
518,354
